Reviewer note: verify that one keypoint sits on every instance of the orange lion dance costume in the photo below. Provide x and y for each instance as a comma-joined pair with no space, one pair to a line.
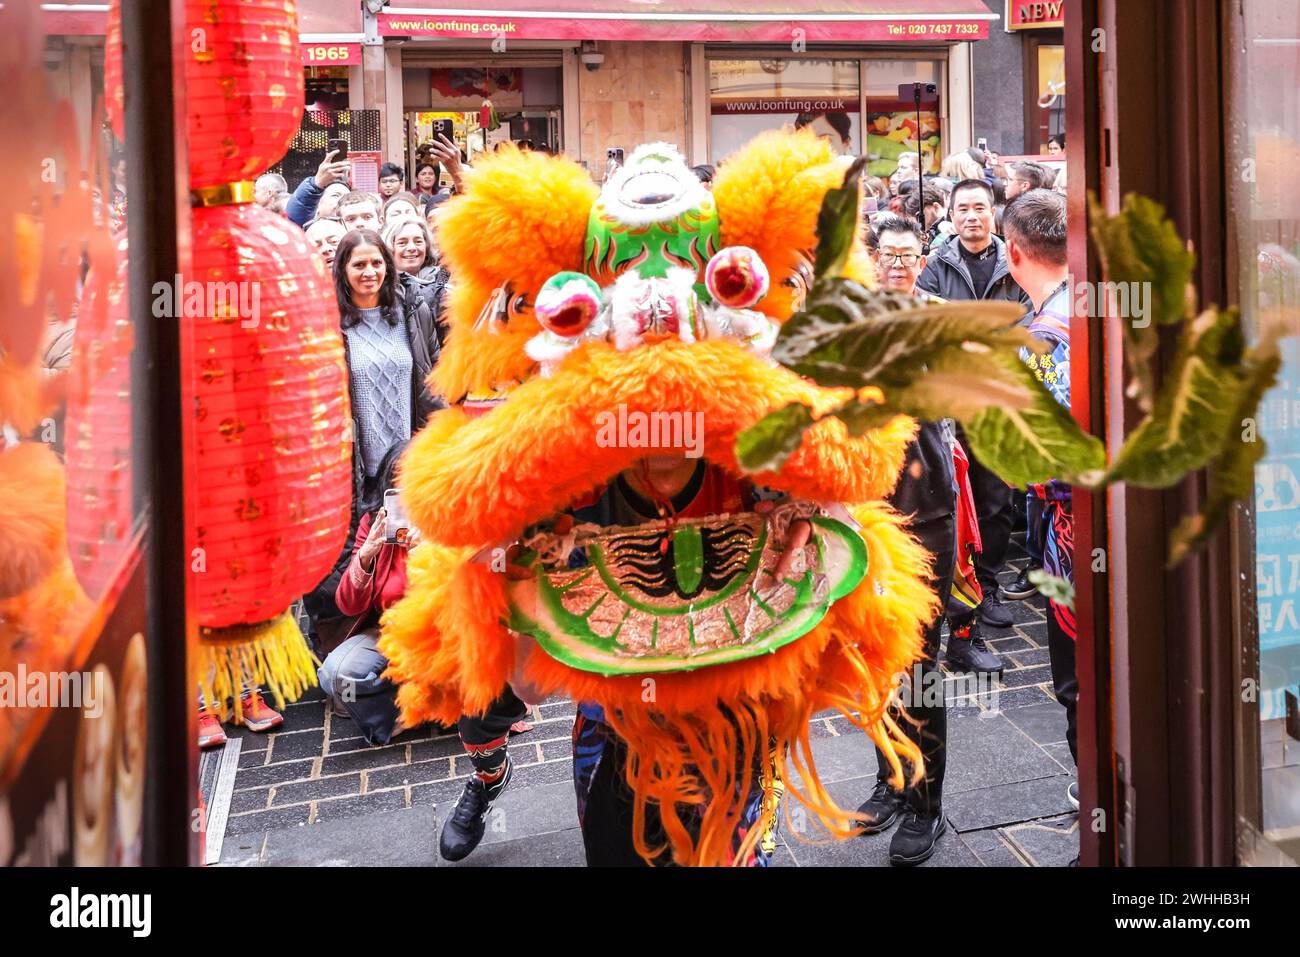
652,296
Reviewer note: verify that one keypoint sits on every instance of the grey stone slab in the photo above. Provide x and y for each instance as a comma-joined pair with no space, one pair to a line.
303,717
1034,632
849,755
1050,843
1008,644
1043,723
558,749
273,774
435,793
557,849
257,799
419,772
299,744
1030,656
447,747
316,789
1001,856
561,709
1020,677
1028,696
363,760
350,807
249,740
259,821
1060,753
989,750
1008,803
404,837
983,841
252,759
242,850
344,745
552,772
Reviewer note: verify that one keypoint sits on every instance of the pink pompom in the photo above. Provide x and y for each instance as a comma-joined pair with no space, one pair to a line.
737,277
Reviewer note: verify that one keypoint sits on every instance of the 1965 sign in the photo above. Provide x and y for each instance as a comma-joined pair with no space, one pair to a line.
331,54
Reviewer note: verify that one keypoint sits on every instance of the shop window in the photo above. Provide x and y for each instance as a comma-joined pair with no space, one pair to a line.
1044,94
749,96
1265,210
893,122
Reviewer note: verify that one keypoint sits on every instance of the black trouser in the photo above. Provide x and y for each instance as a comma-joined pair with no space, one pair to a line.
1065,682
925,702
994,510
484,736
607,832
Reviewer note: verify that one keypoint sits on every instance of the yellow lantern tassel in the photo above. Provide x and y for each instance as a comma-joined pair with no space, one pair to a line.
272,654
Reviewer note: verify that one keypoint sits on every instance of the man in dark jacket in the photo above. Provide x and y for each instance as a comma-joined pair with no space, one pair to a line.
926,494
975,267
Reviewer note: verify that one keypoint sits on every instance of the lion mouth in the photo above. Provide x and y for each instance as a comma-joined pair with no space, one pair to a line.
666,595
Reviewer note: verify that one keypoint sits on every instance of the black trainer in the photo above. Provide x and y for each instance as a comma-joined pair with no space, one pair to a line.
468,821
1072,794
916,837
992,613
881,809
969,652
1022,587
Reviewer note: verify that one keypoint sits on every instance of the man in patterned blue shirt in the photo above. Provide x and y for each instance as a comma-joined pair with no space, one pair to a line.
1035,230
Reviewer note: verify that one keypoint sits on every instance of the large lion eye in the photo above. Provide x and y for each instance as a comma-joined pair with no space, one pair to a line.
800,280
519,305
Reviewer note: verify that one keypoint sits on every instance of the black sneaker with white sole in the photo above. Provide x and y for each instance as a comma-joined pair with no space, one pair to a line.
1072,794
468,822
1022,587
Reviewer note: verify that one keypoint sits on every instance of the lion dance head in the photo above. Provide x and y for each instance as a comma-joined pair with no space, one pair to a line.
649,297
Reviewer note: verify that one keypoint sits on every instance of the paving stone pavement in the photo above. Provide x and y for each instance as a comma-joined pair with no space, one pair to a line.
314,793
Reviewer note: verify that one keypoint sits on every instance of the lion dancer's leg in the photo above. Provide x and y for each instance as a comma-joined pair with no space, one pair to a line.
484,737
607,806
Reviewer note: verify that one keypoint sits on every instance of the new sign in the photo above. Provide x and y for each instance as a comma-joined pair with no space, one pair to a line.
1035,14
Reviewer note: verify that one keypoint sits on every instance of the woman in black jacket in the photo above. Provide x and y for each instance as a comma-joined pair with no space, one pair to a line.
416,258
391,343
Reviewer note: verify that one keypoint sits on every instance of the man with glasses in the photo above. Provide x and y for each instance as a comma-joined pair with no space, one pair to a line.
1026,175
926,494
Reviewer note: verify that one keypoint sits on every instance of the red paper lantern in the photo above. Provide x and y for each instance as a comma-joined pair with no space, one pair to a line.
273,476
243,85
113,92
98,428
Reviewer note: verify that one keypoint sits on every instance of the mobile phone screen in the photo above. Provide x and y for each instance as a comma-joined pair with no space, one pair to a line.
398,525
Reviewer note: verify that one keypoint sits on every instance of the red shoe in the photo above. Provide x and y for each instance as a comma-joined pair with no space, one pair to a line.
210,733
257,714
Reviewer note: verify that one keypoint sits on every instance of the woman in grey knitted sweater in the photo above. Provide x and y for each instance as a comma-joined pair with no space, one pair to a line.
391,346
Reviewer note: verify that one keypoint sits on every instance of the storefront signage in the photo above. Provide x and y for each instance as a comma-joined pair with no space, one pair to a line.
517,27
1035,14
331,54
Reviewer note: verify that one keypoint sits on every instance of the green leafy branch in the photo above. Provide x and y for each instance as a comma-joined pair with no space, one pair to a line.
929,359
